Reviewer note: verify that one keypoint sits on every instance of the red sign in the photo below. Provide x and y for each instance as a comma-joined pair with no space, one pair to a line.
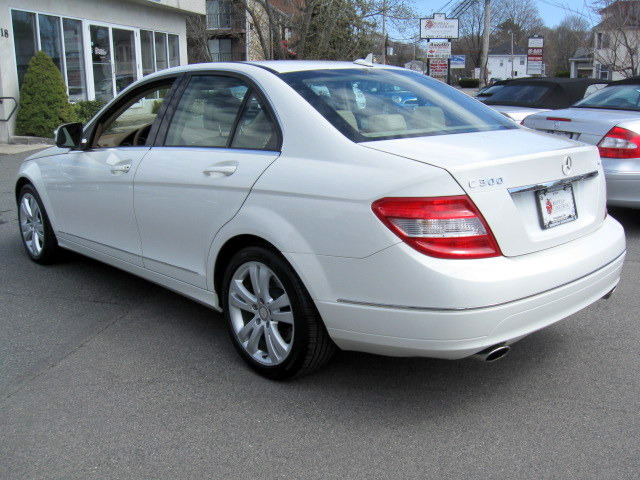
438,68
535,52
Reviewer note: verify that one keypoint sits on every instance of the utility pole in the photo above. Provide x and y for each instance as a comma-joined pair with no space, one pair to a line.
485,43
511,53
384,32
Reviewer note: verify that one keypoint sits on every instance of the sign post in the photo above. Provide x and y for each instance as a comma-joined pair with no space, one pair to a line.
442,30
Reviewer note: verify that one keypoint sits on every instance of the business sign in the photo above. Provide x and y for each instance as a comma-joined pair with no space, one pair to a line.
536,42
535,53
438,68
439,49
458,61
439,27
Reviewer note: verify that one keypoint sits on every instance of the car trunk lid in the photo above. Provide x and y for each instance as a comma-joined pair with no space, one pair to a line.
503,171
585,124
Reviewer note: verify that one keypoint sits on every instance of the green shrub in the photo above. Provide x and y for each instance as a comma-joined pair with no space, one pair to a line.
563,74
156,106
469,82
86,109
44,104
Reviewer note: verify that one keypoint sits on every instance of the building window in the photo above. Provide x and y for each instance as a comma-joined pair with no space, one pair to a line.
60,38
220,49
50,38
146,49
74,59
521,60
25,42
124,58
502,63
161,51
174,50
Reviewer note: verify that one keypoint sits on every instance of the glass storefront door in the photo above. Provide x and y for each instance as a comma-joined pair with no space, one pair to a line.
101,61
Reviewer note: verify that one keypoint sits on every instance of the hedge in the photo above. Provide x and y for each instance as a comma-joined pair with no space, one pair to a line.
469,82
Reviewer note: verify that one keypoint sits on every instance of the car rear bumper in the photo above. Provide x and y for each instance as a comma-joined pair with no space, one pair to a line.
402,303
623,189
404,332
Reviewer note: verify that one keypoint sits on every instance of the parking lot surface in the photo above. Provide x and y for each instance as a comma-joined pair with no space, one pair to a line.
104,375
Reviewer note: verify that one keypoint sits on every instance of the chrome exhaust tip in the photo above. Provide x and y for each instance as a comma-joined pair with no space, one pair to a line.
492,354
608,295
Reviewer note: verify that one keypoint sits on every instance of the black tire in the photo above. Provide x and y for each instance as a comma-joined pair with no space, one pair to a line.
310,347
49,244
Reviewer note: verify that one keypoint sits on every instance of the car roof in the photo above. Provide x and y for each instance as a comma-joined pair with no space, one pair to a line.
556,81
628,81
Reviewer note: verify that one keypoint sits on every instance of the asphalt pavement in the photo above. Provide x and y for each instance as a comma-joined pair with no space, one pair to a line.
104,375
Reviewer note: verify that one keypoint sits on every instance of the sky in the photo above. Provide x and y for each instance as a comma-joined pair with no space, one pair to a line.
551,11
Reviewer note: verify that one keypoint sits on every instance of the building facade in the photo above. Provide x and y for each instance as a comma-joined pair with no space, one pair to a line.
499,62
100,47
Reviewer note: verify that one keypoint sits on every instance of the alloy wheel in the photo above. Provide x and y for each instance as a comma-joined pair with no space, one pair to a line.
31,224
261,314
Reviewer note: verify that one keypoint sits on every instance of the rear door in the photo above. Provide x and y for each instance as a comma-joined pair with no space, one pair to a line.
215,142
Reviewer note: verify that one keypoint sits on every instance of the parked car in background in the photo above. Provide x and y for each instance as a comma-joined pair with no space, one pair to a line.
489,90
312,218
518,98
610,119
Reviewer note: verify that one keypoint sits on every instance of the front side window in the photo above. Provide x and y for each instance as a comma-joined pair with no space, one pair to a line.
375,104
129,125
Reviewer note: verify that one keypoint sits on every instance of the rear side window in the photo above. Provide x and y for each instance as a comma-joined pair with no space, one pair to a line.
375,104
255,129
206,112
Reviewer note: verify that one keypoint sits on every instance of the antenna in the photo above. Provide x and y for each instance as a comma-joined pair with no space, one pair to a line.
367,62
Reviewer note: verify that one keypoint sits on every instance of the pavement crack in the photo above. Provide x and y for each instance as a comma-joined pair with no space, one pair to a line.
62,359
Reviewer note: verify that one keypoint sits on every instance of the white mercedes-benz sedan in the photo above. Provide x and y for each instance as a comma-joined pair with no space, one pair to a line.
301,201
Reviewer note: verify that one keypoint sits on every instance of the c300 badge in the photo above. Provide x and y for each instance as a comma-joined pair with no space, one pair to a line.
486,182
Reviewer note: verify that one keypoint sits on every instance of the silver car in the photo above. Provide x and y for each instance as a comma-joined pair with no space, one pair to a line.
610,119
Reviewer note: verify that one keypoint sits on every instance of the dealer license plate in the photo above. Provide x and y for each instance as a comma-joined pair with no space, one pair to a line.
556,206
560,133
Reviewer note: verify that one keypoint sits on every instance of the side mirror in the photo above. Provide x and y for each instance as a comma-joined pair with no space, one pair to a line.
69,135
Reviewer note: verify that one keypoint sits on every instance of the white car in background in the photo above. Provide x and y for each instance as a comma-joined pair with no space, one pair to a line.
610,119
314,213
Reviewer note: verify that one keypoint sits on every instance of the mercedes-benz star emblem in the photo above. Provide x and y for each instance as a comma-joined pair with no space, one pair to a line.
566,166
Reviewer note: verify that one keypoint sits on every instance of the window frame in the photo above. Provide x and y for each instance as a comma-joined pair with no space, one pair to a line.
172,106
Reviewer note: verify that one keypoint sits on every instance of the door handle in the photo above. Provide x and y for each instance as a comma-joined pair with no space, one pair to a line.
121,168
225,170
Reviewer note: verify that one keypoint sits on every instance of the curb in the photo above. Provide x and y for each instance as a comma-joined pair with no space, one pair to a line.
24,140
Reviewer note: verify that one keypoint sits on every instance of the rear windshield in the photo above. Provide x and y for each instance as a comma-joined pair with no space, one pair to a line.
615,97
378,104
488,91
523,95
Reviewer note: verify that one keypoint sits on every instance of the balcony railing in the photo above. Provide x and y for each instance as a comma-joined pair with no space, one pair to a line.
225,21
228,57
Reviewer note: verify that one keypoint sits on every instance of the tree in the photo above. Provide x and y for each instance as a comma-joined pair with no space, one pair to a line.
562,42
44,104
618,36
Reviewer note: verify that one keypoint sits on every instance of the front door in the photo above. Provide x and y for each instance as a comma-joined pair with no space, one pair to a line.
219,141
94,189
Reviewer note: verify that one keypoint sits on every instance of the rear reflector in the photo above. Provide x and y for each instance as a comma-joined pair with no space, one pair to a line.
620,143
443,227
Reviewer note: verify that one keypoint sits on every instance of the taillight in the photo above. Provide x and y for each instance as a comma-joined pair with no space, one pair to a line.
443,227
620,143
